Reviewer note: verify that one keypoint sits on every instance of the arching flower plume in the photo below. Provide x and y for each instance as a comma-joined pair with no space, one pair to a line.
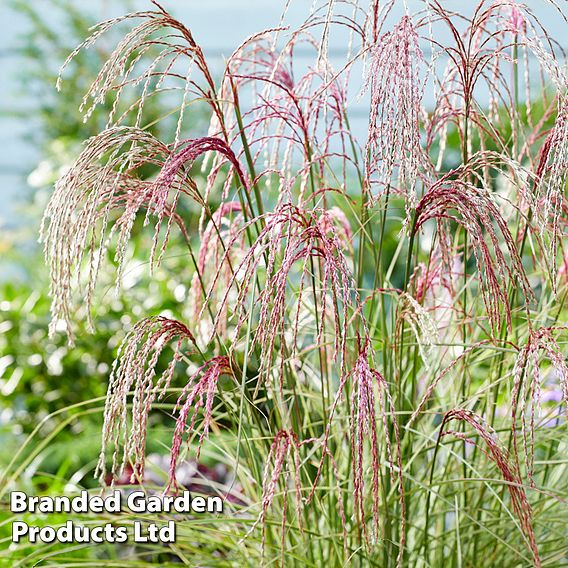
283,459
393,154
434,284
528,384
302,242
515,183
366,381
198,393
517,21
135,368
175,176
295,118
77,218
474,209
370,400
309,238
375,19
282,462
499,455
501,35
421,323
167,43
550,187
240,66
524,24
175,171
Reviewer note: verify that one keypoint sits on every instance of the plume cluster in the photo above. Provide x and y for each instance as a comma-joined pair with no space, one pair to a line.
528,384
313,244
499,455
135,368
395,83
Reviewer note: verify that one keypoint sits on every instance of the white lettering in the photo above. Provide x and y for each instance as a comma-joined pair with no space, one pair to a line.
137,502
19,529
18,502
198,504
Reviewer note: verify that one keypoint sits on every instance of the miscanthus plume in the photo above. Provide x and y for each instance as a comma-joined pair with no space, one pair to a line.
372,238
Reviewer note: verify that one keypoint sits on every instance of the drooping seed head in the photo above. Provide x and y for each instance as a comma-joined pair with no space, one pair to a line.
135,368
198,393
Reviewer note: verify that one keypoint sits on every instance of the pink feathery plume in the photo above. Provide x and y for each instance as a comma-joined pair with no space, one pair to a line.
495,451
527,380
157,32
393,154
365,384
437,277
518,22
175,175
376,18
363,426
276,125
300,240
77,220
421,324
433,287
199,392
475,61
293,119
135,368
283,458
334,221
186,152
551,177
306,236
474,209
309,240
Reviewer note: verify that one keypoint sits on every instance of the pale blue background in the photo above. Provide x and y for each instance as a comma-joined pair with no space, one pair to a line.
218,25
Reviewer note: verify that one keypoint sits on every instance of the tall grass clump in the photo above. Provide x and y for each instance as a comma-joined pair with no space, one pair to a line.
374,334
